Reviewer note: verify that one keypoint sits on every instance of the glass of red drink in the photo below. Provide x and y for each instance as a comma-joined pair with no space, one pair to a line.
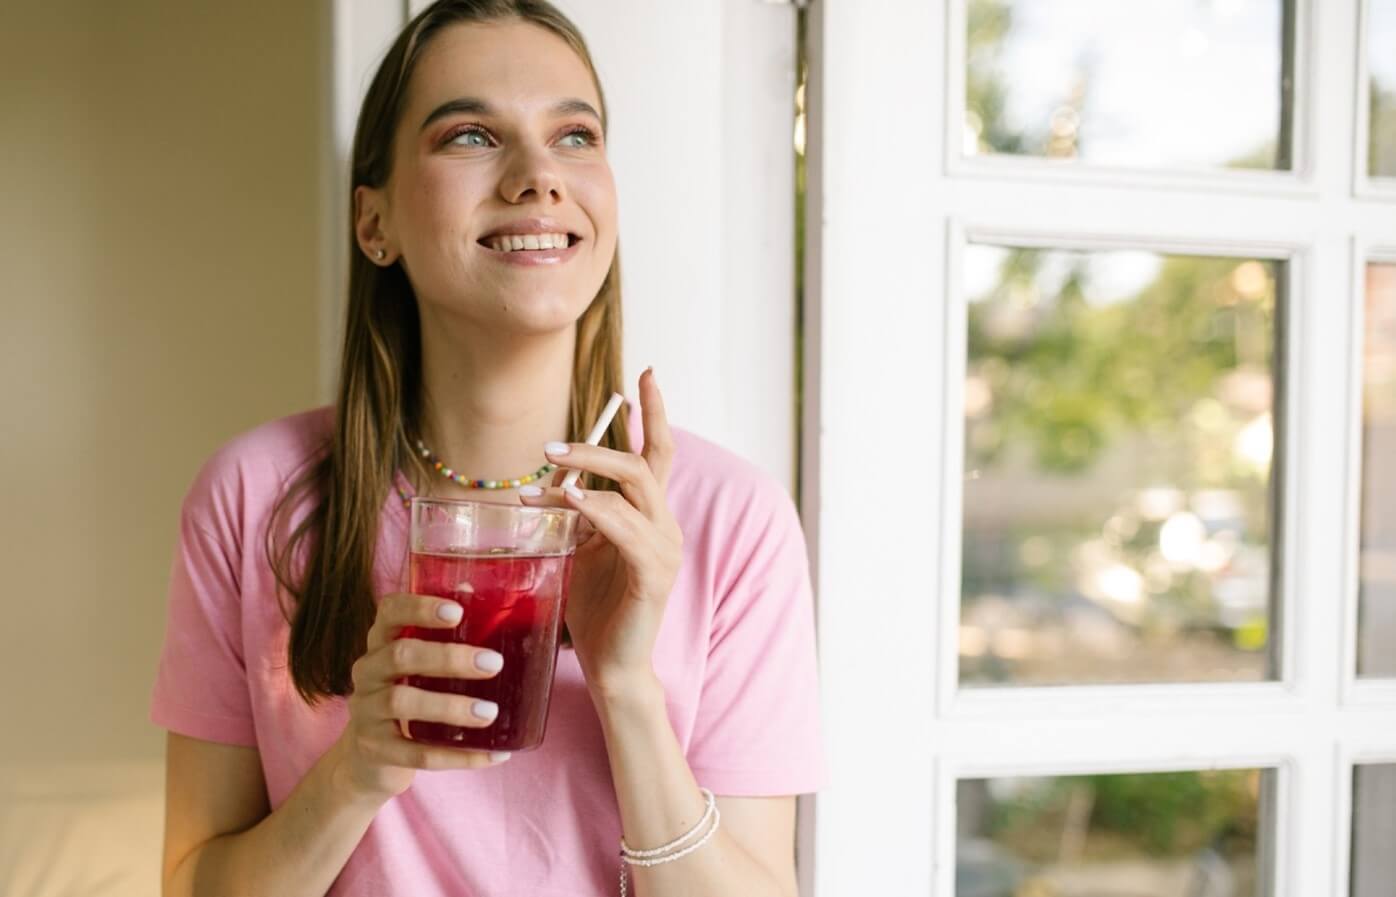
508,566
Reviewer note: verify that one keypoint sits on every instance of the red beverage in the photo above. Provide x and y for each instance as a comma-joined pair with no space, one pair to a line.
514,604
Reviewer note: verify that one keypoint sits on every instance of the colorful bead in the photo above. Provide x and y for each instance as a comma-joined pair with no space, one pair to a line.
450,474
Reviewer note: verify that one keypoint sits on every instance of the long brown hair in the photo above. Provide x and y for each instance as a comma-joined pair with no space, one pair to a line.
378,411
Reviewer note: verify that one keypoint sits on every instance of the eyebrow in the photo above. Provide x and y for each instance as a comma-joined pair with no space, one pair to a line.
473,106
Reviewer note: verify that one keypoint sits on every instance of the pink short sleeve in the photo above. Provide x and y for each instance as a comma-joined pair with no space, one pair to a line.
201,684
757,730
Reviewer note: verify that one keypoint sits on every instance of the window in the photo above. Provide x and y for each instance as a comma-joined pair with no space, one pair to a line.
1373,829
1102,487
1119,430
1166,84
1376,635
1381,88
1164,834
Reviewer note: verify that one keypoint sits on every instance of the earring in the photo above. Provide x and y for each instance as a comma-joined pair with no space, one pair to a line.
380,254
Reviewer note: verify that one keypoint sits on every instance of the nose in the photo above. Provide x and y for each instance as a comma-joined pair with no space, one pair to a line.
531,171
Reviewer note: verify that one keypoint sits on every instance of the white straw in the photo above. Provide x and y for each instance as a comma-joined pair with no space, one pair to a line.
603,422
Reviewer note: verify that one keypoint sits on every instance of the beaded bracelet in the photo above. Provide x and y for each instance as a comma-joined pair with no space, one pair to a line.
653,858
710,803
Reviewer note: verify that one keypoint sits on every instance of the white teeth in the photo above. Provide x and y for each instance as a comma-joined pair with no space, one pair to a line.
513,243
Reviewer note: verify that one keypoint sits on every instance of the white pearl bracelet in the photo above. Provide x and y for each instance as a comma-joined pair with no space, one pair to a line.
654,858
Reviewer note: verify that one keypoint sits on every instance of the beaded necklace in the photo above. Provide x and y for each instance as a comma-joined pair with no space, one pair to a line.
468,483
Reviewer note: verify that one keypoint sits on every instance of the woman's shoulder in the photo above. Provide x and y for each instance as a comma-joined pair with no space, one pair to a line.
249,469
739,522
696,456
721,486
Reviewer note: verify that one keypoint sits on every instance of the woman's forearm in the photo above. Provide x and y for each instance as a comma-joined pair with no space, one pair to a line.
659,801
296,851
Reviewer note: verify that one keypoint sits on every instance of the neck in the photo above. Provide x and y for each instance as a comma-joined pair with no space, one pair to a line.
491,401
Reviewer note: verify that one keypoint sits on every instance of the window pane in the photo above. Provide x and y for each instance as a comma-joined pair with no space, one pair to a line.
1118,441
1164,84
1381,65
1376,649
1373,830
1175,834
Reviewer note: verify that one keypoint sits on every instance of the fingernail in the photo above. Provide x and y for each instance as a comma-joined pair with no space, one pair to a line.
530,491
499,756
557,448
576,493
485,709
489,661
450,612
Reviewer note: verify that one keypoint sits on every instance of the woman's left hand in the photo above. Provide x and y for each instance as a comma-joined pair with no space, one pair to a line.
626,565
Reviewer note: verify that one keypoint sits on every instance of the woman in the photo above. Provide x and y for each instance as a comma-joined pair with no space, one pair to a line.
691,655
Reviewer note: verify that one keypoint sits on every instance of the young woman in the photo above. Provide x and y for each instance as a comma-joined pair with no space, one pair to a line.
690,665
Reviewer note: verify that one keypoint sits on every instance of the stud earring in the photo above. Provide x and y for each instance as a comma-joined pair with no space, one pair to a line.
380,254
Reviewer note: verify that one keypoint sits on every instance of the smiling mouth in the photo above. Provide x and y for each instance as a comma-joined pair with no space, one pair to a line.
526,243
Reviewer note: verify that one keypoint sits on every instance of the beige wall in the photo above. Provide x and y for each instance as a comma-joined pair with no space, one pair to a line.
159,180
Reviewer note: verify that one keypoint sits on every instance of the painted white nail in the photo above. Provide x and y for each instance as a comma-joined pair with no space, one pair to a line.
449,612
530,491
576,493
489,661
499,756
557,448
485,709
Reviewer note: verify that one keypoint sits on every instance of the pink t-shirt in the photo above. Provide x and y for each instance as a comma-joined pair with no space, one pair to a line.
735,653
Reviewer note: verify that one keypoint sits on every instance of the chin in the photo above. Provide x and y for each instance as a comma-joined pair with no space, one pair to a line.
542,316
497,308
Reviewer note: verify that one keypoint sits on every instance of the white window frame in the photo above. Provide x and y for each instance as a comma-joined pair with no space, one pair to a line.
884,427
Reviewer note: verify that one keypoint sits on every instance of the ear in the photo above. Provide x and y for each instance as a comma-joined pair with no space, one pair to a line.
370,225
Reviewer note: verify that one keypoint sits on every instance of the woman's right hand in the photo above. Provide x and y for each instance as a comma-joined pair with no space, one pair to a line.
375,759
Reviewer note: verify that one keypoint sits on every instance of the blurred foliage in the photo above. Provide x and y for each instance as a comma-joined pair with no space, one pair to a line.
1381,139
1167,814
1381,94
1152,807
1067,377
988,22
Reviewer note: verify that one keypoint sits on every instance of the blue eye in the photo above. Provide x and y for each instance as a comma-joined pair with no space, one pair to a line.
469,132
586,136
